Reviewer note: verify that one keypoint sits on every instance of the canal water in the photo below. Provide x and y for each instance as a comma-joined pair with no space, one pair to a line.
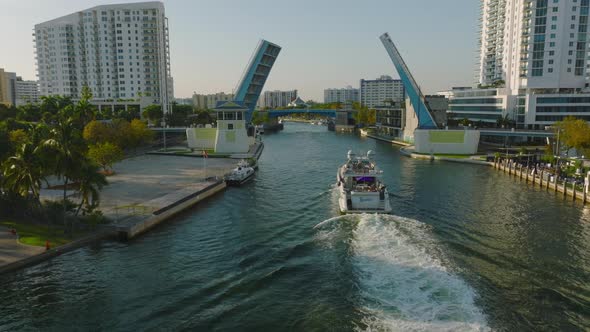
467,249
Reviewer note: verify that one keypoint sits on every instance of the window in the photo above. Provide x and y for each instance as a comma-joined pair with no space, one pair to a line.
555,9
552,44
549,70
230,126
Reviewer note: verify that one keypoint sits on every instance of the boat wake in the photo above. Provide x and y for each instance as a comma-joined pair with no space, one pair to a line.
402,286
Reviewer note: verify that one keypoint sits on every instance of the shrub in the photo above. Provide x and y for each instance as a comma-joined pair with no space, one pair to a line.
105,154
54,210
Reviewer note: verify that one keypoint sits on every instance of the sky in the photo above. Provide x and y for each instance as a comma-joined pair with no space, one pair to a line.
325,43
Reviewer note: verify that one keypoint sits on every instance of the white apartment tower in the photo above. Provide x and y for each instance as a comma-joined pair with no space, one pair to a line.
272,99
534,55
120,51
381,90
538,44
26,92
341,95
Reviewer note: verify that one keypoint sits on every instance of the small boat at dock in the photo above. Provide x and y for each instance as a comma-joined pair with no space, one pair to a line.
243,173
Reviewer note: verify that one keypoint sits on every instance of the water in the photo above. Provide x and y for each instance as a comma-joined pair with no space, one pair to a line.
467,250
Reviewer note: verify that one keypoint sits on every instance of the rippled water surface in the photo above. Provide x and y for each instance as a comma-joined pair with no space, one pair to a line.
467,249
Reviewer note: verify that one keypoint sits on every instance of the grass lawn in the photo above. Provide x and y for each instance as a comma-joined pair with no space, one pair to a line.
444,155
456,156
36,235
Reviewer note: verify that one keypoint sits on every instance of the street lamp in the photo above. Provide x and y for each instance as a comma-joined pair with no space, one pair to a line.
164,132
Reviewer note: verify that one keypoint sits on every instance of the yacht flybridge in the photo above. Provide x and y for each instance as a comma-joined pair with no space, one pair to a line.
360,187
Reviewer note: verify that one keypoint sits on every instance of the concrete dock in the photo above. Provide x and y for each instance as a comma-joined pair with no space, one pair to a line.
148,189
144,192
162,208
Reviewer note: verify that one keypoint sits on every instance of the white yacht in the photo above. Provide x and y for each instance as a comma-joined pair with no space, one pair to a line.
243,173
360,187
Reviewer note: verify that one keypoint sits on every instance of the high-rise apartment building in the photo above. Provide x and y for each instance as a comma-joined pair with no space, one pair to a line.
7,87
381,90
119,51
272,99
15,91
534,44
341,95
26,92
534,54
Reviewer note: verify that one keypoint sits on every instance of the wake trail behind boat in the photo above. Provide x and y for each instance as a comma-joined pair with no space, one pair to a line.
401,284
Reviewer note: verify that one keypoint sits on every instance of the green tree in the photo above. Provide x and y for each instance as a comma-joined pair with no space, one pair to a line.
29,112
202,117
18,137
259,118
121,133
5,143
54,104
7,112
139,133
90,182
98,132
574,133
23,173
67,148
179,115
153,113
84,110
105,154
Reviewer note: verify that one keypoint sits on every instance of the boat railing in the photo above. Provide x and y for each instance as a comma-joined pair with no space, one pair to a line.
363,171
365,188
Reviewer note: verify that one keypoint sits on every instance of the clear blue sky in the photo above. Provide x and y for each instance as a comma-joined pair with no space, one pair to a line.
326,43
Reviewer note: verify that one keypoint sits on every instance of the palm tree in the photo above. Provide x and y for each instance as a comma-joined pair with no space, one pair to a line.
68,147
90,183
23,172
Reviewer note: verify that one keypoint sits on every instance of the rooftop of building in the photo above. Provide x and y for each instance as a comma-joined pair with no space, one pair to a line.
74,17
382,78
230,105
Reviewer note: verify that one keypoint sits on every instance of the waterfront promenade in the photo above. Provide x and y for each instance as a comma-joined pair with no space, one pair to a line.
141,180
11,250
144,191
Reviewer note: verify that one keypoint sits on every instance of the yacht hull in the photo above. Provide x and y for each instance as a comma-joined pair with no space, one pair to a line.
237,183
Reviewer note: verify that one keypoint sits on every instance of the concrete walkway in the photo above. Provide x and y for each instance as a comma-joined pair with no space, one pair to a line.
12,251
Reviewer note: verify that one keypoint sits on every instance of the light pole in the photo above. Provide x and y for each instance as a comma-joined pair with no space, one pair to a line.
557,153
164,132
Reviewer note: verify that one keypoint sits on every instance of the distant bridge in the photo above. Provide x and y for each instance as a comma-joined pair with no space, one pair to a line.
332,113
277,113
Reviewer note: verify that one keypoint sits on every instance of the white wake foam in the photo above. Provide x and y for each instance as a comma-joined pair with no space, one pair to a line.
402,286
